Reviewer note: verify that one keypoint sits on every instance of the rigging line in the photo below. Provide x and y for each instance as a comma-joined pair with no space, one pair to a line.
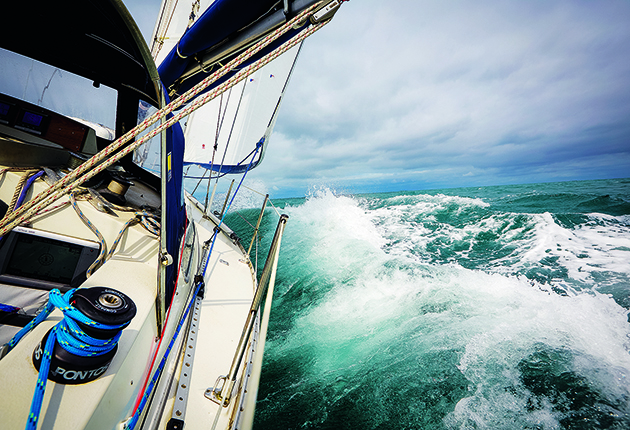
269,201
216,143
106,158
207,189
214,148
216,134
218,227
274,208
148,221
198,182
219,122
160,39
18,194
284,87
103,251
50,209
245,219
227,144
251,189
220,119
219,128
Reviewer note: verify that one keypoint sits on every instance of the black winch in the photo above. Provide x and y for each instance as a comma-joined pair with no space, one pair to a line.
102,305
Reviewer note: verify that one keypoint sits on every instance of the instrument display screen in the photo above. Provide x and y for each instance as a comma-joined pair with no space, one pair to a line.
4,109
44,259
4,112
47,260
33,119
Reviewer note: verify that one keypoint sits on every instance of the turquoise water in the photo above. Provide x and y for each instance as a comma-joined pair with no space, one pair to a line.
496,307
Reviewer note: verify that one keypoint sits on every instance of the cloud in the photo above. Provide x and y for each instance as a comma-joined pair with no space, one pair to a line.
434,93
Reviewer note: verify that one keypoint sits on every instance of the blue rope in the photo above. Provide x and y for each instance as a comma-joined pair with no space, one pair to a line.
41,316
216,231
158,371
25,188
71,338
42,378
28,184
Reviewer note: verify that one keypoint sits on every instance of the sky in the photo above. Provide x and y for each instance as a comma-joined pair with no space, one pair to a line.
411,95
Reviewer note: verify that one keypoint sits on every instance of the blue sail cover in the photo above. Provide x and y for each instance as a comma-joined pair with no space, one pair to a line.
194,80
176,209
220,20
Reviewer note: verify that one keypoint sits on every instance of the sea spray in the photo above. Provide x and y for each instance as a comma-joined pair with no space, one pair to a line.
429,310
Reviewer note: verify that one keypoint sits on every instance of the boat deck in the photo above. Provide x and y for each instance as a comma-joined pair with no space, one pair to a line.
108,401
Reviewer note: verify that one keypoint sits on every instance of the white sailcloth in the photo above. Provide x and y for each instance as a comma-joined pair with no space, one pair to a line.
175,17
236,121
243,116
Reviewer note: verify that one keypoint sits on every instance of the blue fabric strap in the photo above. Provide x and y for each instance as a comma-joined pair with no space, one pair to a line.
8,308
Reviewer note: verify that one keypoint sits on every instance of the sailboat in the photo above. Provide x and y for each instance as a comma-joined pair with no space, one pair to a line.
125,302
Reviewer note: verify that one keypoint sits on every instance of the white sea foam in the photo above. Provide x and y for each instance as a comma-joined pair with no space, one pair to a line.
403,224
601,245
521,321
336,223
391,314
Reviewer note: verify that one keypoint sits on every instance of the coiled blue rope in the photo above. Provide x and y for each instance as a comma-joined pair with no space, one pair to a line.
70,336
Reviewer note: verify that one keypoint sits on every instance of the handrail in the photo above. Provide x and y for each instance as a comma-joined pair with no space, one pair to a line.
223,394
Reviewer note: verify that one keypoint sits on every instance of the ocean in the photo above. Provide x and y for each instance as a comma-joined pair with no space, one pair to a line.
501,307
